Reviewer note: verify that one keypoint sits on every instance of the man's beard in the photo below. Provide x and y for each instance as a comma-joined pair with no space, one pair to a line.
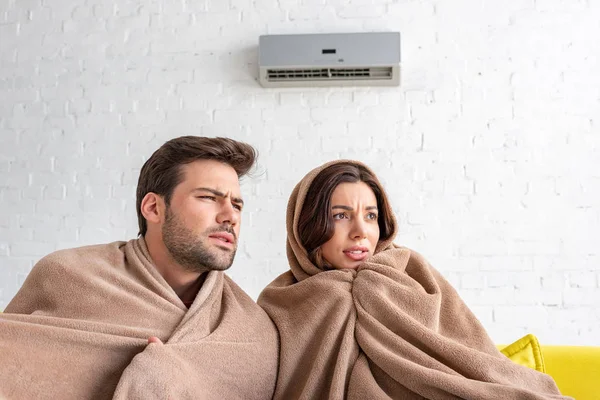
192,252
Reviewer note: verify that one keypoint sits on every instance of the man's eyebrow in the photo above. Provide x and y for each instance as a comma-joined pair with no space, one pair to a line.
219,194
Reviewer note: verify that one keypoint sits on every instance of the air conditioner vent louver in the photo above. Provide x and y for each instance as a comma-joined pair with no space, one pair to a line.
311,74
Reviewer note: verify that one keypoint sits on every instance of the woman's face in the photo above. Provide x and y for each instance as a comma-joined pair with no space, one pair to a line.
354,213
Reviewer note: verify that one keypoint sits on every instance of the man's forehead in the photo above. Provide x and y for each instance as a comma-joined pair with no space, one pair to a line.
213,175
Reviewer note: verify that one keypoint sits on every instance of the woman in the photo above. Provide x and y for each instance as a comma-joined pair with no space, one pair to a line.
361,318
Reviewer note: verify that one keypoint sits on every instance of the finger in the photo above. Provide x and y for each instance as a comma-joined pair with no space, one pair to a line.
154,339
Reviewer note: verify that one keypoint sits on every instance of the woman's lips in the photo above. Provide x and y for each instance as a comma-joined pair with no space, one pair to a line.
356,257
357,253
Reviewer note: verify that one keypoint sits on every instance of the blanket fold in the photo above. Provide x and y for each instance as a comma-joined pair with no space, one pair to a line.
393,328
79,326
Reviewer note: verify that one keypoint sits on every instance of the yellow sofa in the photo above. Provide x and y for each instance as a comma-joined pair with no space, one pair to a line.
575,369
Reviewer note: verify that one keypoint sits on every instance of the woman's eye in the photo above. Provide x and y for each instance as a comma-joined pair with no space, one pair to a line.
372,216
339,216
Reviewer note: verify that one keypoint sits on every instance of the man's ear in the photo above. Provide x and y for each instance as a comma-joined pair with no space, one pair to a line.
153,208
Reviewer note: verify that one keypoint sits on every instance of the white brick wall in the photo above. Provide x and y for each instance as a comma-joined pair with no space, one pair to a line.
490,149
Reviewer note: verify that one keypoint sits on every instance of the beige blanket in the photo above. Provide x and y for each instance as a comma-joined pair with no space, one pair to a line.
395,328
78,329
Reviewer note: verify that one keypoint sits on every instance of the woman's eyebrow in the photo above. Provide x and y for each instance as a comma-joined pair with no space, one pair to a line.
343,208
351,209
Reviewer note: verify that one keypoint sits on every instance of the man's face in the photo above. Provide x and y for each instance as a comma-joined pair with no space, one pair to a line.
202,222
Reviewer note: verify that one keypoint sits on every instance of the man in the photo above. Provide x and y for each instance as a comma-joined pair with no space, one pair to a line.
80,325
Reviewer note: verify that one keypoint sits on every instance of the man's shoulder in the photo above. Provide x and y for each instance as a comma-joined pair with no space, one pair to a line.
63,271
240,295
256,318
72,256
235,288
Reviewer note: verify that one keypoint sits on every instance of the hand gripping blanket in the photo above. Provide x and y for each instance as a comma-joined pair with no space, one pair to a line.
392,329
79,326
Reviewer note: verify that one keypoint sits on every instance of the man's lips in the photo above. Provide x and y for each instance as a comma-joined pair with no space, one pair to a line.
357,253
224,237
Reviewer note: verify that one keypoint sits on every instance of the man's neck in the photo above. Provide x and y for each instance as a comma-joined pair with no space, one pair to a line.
185,283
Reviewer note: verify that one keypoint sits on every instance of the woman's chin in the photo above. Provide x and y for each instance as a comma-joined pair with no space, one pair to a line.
347,266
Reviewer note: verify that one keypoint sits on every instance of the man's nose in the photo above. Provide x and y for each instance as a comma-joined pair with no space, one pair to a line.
227,214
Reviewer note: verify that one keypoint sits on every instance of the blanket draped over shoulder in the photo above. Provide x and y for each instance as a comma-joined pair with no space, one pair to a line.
393,328
79,326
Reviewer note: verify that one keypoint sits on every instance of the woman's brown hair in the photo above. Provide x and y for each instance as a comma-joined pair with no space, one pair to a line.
161,173
315,225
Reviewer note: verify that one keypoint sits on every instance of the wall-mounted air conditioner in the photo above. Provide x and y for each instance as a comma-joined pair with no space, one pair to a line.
333,59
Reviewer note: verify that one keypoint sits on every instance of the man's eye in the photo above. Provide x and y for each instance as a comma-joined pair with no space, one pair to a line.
213,198
237,207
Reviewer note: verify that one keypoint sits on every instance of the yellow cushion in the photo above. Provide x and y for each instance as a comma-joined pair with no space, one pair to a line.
527,352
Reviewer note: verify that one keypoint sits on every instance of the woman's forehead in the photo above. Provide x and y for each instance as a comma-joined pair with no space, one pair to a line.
352,192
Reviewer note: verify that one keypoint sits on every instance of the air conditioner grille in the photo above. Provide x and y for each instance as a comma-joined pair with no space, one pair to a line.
318,74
